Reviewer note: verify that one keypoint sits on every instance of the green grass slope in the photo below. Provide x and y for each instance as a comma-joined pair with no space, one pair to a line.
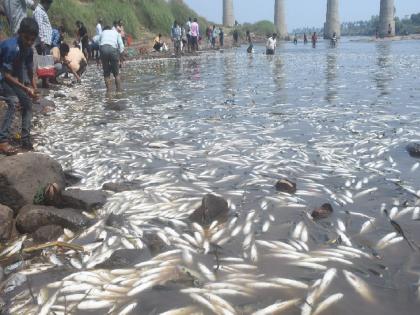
139,16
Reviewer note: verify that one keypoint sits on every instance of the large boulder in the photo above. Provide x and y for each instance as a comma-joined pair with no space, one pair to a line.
6,222
48,233
414,150
32,217
212,208
83,199
9,195
24,174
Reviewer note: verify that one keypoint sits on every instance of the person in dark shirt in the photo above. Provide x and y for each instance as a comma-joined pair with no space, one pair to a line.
83,37
16,56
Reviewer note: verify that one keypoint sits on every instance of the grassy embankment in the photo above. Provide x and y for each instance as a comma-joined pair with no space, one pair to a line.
142,18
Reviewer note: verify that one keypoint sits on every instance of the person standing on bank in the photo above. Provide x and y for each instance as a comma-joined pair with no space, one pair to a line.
111,47
221,37
16,55
99,27
271,44
16,11
43,44
176,34
314,40
195,33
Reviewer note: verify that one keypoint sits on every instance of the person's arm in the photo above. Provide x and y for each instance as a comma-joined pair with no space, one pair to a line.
29,63
120,44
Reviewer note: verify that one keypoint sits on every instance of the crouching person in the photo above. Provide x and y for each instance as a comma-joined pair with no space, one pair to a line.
16,56
68,59
111,47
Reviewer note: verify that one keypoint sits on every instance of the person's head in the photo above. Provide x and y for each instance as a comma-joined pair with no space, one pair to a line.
78,24
61,29
195,19
100,21
160,35
247,32
46,4
107,28
64,50
28,32
189,19
120,23
274,36
175,23
115,23
214,26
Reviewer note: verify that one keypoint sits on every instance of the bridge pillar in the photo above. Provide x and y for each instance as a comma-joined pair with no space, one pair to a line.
332,24
228,17
386,19
280,19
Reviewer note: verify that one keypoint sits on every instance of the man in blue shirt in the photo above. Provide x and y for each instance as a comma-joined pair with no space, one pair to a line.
16,56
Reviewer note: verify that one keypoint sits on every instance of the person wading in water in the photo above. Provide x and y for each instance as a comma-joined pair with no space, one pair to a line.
271,45
111,47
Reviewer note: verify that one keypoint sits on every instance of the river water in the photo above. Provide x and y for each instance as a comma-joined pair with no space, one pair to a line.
335,121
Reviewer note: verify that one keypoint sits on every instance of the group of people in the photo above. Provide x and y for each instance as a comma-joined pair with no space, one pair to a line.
271,43
215,34
34,36
185,38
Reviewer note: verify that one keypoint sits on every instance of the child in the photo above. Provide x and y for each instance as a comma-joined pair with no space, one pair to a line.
16,56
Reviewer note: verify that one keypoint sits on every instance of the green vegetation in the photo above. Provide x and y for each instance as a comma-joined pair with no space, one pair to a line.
261,28
139,16
404,26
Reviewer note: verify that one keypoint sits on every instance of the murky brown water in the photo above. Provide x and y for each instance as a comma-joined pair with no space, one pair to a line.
335,121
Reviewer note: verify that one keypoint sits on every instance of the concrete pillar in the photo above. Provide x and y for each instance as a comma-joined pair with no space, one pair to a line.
332,24
280,19
228,17
386,19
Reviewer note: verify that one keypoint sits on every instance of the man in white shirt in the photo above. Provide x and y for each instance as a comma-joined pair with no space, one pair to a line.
99,27
111,47
271,45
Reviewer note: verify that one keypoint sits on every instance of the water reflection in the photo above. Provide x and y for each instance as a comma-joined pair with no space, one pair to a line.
229,66
331,72
279,80
383,75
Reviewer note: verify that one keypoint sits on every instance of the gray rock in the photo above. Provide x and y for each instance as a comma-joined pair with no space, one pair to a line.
9,196
59,95
414,150
22,175
72,178
154,243
13,282
285,185
212,208
120,187
43,106
125,258
6,222
32,217
47,233
322,212
83,199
